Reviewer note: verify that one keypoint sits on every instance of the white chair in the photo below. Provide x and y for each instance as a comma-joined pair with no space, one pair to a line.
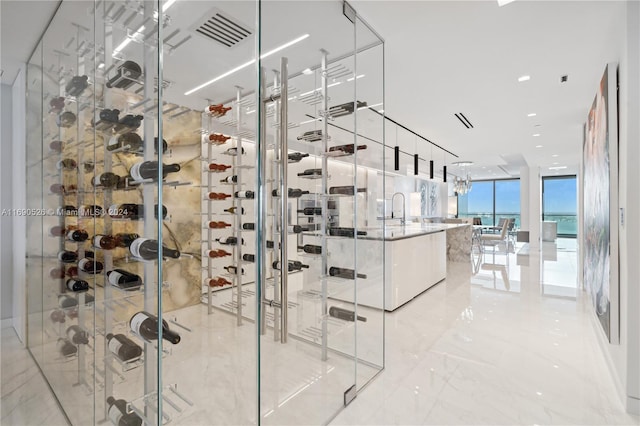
496,239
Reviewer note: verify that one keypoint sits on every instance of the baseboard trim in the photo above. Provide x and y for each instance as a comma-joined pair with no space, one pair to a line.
7,322
604,350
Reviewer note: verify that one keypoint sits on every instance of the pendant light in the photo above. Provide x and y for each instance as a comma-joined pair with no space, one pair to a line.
415,157
396,154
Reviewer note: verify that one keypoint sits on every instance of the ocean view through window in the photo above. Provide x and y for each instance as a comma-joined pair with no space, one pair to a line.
492,200
559,203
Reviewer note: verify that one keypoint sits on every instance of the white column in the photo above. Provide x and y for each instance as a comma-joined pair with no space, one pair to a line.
531,204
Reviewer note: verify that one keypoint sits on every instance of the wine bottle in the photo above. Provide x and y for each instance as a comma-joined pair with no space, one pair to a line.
58,231
124,240
218,167
66,348
126,142
229,241
230,179
66,302
77,335
345,190
249,226
270,244
233,269
311,172
76,85
344,232
67,256
106,180
147,249
145,325
311,249
88,166
217,282
291,192
218,138
349,274
234,151
77,235
104,242
348,148
294,157
248,257
123,347
133,211
218,196
232,210
66,119
124,280
298,264
344,314
292,265
67,164
106,119
91,211
57,188
217,253
72,271
149,170
57,273
90,266
218,110
218,224
118,413
310,211
125,76
244,194
58,316
128,122
56,104
56,146
295,229
311,136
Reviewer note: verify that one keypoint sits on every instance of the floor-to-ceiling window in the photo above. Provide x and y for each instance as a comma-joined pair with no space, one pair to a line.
559,203
492,200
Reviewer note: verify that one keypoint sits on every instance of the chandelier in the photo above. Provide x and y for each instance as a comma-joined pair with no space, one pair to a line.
462,185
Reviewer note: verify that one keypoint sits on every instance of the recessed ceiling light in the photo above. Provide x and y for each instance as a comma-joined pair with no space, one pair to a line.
535,135
555,162
483,167
462,163
307,71
524,78
504,2
537,125
533,114
538,146
558,168
555,155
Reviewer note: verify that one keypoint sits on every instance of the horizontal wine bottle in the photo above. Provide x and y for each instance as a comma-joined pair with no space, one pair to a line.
106,118
128,122
123,347
234,151
125,75
345,190
57,273
124,239
218,167
76,285
104,242
66,119
67,164
348,148
218,196
56,146
217,253
344,232
57,316
218,138
294,157
66,348
349,274
88,166
72,272
345,314
59,189
310,211
311,249
230,179
218,224
248,257
218,110
230,241
106,180
249,226
145,325
232,210
118,414
127,142
217,282
293,265
66,302
77,335
295,229
124,280
233,269
311,172
67,256
149,170
58,231
291,192
244,194
311,136
147,249
56,104
90,266
76,85
133,211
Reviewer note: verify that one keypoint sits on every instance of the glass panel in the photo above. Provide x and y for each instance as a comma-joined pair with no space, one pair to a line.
559,203
508,200
478,202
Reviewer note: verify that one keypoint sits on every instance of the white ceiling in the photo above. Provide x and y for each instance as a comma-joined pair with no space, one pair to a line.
441,58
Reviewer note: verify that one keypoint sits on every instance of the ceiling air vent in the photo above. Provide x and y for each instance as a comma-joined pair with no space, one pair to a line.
460,116
222,28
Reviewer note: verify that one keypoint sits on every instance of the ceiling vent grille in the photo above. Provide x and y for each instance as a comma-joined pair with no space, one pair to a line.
464,120
223,28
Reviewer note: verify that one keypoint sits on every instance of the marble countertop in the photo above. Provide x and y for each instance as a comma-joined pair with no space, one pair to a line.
410,230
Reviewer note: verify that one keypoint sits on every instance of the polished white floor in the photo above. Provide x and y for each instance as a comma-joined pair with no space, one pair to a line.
505,340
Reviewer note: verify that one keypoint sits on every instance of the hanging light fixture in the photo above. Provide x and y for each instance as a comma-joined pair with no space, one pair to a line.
462,184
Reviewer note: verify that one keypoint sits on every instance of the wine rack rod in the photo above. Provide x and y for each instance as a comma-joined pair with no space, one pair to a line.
237,252
324,200
277,177
261,156
208,124
284,198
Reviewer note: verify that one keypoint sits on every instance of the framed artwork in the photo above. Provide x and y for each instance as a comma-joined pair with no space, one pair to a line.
600,205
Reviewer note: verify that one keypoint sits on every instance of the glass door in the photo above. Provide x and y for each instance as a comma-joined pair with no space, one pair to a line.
559,204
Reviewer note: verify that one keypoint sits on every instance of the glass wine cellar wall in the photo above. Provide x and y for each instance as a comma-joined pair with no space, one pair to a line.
210,173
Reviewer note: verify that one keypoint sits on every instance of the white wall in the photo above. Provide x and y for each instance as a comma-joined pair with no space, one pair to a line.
6,258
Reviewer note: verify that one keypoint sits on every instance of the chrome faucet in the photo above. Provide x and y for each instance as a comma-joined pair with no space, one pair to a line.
404,217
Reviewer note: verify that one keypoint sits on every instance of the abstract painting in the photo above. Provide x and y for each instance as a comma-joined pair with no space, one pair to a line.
600,185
